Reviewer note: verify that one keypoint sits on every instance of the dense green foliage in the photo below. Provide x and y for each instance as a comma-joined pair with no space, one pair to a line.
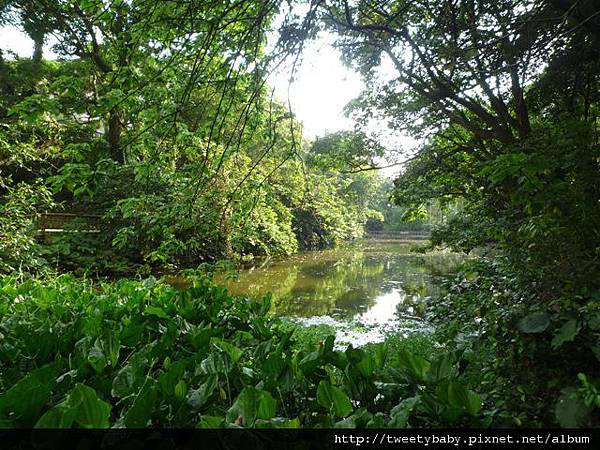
483,310
185,158
157,122
140,353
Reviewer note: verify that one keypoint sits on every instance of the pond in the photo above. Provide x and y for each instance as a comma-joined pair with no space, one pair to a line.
362,292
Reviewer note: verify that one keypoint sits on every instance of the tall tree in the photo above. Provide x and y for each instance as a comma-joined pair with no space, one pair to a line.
32,19
479,82
199,40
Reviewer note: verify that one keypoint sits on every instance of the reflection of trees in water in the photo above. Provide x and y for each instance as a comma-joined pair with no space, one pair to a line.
256,283
323,287
357,298
416,288
417,275
420,285
344,282
428,267
412,305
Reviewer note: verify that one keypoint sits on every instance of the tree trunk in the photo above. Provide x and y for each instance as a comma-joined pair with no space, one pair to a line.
114,136
38,49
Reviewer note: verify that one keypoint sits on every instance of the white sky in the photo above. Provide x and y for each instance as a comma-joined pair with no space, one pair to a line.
321,89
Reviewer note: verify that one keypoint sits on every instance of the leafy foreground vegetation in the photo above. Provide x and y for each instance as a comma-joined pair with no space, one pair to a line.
548,373
141,353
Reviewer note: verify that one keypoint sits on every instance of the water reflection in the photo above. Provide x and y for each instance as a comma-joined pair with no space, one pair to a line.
377,283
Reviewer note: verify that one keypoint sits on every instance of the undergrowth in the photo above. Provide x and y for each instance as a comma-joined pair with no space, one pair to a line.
142,353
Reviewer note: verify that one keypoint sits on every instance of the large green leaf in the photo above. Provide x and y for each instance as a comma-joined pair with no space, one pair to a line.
24,401
441,368
534,323
310,362
60,416
400,413
214,364
251,404
200,336
461,397
416,366
566,333
363,361
82,406
97,359
138,415
211,422
267,406
156,311
473,403
168,380
181,389
367,366
332,398
232,351
92,412
273,365
123,382
196,398
571,412
380,353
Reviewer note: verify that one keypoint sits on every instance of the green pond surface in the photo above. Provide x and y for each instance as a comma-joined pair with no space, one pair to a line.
362,292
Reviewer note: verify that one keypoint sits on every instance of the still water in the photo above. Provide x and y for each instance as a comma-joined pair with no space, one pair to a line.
362,292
